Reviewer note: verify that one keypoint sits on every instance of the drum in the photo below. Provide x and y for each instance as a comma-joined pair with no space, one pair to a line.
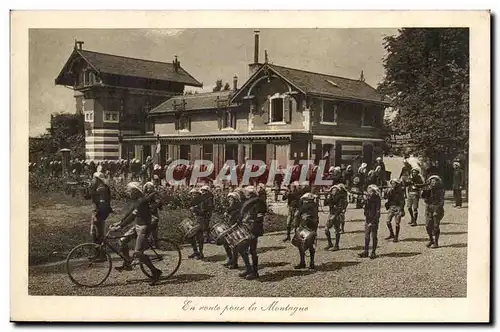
189,227
304,238
218,231
238,236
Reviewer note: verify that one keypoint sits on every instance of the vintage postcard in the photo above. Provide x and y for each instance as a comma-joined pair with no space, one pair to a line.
326,166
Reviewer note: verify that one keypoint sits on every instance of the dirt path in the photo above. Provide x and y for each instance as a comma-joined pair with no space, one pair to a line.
404,269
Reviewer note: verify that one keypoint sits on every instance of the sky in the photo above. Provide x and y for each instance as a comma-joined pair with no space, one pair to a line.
207,54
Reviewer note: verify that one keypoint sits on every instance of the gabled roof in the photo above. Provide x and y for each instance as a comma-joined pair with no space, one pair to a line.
321,84
125,66
199,101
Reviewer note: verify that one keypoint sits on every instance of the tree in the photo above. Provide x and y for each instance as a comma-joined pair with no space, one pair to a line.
66,131
227,87
218,85
427,78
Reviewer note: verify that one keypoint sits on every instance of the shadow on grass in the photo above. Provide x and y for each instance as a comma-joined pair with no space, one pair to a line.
215,258
353,248
400,254
272,248
356,232
455,245
334,266
453,233
280,275
414,239
272,264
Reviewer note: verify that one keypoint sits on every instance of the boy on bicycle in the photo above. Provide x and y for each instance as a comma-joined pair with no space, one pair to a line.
139,213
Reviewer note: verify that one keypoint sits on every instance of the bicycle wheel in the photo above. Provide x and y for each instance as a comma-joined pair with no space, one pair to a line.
88,265
165,255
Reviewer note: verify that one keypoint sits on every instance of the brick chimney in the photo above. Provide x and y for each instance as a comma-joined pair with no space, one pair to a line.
235,82
256,47
255,65
78,44
176,63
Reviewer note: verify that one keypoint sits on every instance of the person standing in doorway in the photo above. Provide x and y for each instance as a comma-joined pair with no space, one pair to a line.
458,181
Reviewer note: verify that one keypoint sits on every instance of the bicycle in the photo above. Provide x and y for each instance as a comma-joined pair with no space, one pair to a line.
96,262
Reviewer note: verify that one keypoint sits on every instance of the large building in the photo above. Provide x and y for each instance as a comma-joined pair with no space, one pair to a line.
278,113
115,94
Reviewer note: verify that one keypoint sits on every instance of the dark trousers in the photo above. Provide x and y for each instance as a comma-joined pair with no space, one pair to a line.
457,194
252,250
232,255
371,230
197,242
433,216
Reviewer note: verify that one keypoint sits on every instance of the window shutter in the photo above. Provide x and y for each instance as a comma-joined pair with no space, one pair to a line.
177,122
220,118
293,108
233,119
286,109
188,119
266,110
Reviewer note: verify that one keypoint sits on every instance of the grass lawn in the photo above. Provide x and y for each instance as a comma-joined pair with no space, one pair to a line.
58,222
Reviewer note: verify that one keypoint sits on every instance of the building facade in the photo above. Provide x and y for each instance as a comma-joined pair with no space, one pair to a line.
279,113
115,94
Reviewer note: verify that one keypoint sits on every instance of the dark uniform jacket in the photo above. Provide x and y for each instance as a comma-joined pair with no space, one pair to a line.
458,178
406,170
142,211
395,196
101,196
434,196
307,215
372,208
252,212
292,198
415,183
337,202
233,211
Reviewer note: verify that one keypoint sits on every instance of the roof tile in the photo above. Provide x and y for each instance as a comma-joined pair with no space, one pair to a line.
120,65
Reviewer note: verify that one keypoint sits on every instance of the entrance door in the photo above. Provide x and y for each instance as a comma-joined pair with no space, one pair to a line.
368,155
231,152
146,152
259,152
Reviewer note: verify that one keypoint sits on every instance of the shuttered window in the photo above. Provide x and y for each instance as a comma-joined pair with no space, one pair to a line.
277,113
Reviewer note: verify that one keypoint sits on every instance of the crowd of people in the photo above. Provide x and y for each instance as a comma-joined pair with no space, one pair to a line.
248,207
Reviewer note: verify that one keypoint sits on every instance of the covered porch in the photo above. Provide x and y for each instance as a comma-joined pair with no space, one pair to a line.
219,148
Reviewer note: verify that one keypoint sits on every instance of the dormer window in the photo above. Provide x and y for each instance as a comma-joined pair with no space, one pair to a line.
329,112
89,77
276,112
228,120
184,123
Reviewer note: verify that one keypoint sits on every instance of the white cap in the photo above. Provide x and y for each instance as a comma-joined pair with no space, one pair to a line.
434,177
308,196
148,185
194,190
378,159
99,175
374,188
205,188
134,186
